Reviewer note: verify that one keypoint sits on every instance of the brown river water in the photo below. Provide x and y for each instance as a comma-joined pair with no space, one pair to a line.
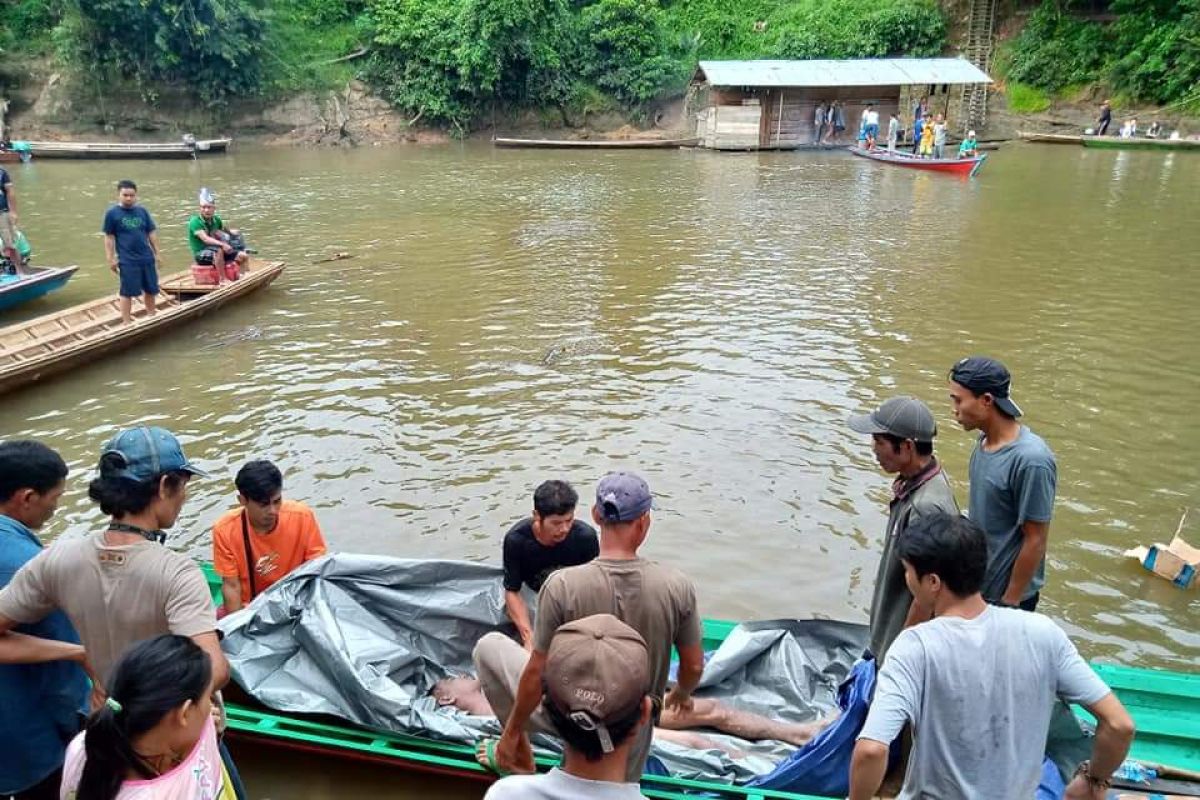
707,319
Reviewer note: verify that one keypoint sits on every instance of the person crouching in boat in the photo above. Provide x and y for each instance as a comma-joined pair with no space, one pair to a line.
549,540
155,735
210,239
968,148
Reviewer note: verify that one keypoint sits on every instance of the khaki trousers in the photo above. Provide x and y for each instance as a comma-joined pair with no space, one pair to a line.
499,662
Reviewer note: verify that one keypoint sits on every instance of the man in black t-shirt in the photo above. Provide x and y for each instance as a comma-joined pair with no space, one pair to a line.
536,546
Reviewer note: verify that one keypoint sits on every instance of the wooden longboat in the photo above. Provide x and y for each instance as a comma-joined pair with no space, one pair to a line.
40,281
1050,138
41,347
109,150
966,167
1164,705
596,144
1140,143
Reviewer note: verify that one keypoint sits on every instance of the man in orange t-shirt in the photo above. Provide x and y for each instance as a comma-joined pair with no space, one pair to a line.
274,534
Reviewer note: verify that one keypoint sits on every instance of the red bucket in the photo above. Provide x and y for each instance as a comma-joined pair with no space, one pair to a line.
206,274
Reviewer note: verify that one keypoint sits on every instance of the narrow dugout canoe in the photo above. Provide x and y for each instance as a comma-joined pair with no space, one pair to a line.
41,347
15,290
596,144
966,167
1050,138
110,150
1165,706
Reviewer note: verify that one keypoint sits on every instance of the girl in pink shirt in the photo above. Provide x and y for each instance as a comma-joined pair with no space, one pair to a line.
154,737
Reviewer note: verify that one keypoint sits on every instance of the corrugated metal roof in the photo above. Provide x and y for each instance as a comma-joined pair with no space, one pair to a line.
851,72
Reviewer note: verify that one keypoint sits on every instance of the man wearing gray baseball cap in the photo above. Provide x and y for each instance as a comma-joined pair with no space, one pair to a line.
597,697
902,432
657,601
1013,479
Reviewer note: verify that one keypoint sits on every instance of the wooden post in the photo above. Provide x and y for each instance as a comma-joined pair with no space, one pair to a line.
3,113
779,120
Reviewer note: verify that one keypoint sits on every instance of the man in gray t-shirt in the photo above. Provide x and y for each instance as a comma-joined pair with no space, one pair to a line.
902,430
1013,477
977,684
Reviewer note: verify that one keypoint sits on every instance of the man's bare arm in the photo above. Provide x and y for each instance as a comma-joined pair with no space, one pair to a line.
210,644
231,592
21,648
868,765
1033,550
518,612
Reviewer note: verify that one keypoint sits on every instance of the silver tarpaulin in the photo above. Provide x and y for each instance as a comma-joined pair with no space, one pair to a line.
365,638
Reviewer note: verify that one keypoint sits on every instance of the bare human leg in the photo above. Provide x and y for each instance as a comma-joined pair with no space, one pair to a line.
708,713
126,305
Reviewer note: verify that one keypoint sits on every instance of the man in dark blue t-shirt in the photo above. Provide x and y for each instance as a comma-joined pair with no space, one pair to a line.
536,546
131,245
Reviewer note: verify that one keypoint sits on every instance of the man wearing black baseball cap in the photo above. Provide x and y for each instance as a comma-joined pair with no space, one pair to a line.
1013,477
902,430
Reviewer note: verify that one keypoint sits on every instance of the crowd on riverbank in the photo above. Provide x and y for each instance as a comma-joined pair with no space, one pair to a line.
964,657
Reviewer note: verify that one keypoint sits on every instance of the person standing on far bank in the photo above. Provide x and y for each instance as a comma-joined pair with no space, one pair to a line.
1013,478
131,247
902,430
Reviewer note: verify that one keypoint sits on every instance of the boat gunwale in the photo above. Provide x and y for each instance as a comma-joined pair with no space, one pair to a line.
101,338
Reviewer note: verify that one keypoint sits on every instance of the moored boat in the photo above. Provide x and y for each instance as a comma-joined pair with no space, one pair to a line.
39,281
1165,706
1050,138
185,148
596,144
1139,143
41,347
966,167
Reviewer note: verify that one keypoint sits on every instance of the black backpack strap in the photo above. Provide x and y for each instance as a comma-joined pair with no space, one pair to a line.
249,556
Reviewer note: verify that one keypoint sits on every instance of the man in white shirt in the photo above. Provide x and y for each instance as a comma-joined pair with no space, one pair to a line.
978,684
597,696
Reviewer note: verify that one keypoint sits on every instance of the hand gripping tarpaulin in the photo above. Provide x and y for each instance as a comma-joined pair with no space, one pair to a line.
364,638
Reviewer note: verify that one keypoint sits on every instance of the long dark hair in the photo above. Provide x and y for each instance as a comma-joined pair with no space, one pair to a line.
152,679
119,495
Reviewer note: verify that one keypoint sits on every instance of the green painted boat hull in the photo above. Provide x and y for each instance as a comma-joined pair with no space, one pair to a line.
1165,706
1117,143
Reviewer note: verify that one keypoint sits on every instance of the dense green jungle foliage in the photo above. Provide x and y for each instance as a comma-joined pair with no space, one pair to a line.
456,62
451,62
1150,51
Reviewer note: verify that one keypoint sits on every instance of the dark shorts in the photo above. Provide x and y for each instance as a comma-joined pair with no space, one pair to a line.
872,131
207,256
138,279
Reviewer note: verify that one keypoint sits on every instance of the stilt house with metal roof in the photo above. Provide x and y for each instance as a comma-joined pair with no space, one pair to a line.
769,105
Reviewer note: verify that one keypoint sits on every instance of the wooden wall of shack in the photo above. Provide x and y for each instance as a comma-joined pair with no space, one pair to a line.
726,118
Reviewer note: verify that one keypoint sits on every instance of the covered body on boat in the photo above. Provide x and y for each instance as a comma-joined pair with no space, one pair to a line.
38,281
366,698
957,166
596,144
41,347
185,148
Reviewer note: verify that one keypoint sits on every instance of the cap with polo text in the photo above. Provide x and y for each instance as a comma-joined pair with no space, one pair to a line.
597,672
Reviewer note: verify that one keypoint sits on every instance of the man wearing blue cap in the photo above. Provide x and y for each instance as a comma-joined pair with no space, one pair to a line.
902,432
656,601
1013,476
122,585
